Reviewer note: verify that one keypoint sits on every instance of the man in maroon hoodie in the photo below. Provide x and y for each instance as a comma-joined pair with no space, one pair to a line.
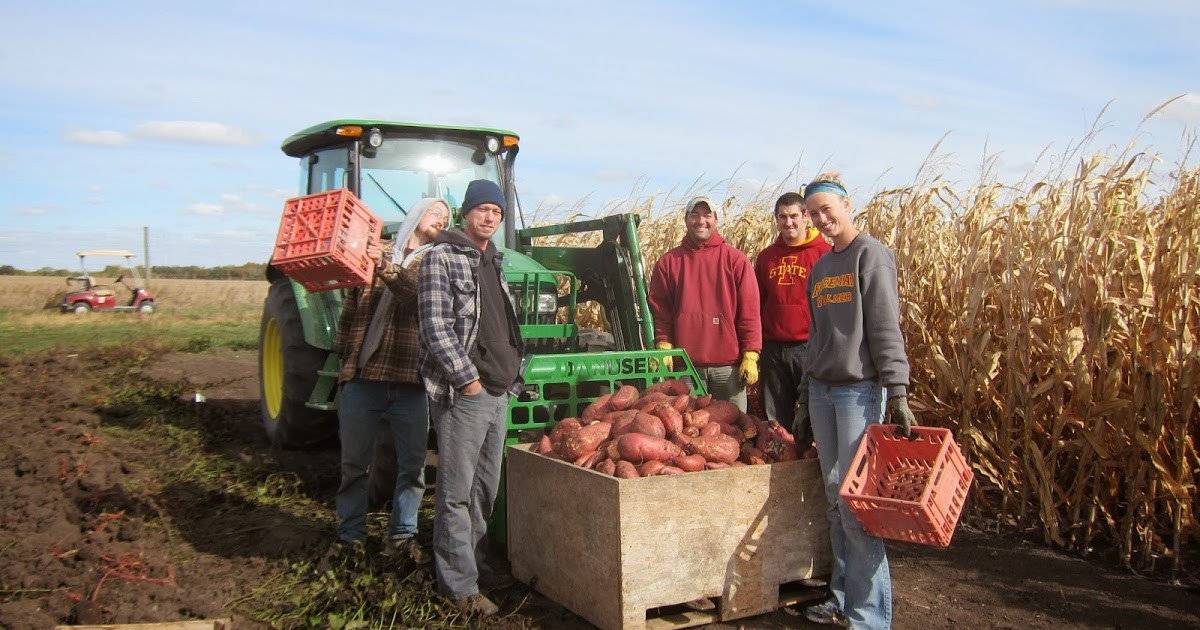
782,269
705,300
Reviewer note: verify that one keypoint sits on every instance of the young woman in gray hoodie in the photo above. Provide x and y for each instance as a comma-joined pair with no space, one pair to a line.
858,368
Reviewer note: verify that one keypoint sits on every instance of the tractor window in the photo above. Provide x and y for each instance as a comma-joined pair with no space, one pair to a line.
326,170
404,170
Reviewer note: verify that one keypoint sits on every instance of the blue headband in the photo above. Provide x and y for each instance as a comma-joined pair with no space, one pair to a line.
825,186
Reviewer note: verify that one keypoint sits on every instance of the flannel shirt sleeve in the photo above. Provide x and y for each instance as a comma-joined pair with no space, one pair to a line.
400,281
437,320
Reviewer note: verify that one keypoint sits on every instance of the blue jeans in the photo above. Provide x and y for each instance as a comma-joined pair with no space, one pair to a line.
861,583
470,438
405,408
724,383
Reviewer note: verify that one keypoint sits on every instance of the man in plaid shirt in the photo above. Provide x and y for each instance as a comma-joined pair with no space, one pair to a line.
377,344
470,361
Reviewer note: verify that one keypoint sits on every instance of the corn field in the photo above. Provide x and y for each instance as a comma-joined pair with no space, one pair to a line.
1054,327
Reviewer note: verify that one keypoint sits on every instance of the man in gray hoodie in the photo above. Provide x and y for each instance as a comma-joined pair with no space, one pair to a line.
470,362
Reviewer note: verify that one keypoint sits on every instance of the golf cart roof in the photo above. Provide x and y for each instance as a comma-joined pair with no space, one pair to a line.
107,252
322,134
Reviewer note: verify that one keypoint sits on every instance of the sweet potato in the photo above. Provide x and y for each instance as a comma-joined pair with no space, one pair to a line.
559,433
671,470
712,428
672,420
689,463
606,466
732,431
597,409
545,448
703,401
617,417
591,459
695,419
780,450
643,423
716,465
809,453
751,455
682,403
723,411
651,468
748,425
682,440
624,397
648,401
637,448
625,470
690,431
666,386
585,440
716,448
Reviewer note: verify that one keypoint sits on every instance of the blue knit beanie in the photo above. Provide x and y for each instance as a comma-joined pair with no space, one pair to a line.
481,191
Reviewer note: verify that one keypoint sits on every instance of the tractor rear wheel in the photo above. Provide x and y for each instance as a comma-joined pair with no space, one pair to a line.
81,308
287,372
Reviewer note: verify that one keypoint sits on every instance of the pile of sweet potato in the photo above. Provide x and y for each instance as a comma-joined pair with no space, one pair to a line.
665,430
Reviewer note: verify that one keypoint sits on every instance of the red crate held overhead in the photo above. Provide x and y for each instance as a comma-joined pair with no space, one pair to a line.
322,242
910,490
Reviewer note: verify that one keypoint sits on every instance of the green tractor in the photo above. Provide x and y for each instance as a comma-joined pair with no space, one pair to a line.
389,166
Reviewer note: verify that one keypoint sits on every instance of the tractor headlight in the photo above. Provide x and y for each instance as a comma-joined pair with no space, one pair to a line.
375,138
493,144
547,302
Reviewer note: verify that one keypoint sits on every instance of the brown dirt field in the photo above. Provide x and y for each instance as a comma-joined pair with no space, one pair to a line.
80,543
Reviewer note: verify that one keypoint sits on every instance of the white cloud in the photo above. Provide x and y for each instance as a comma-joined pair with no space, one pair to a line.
96,138
32,211
1186,109
194,132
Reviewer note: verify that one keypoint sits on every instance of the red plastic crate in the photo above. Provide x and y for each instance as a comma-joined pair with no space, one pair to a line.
908,490
322,242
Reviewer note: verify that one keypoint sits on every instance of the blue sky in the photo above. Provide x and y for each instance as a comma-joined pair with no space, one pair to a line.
169,115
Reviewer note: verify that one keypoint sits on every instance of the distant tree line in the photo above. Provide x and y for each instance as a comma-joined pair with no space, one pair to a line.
247,271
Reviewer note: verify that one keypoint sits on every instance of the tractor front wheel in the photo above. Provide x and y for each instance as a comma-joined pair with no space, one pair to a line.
81,308
287,371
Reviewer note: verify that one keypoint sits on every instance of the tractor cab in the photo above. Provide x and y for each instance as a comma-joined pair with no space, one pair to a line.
126,294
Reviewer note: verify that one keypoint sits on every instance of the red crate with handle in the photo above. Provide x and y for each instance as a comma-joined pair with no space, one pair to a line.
322,242
910,490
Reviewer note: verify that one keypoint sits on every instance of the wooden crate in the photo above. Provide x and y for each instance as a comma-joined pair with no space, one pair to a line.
617,551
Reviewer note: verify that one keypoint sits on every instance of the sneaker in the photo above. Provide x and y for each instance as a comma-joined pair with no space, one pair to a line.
826,614
409,548
477,604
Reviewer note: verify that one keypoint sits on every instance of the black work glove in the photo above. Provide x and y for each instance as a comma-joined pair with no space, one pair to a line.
899,413
800,421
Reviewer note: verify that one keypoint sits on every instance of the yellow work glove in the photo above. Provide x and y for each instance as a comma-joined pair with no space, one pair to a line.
667,361
749,368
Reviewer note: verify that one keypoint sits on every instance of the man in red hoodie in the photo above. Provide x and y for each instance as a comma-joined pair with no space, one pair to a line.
782,270
704,299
